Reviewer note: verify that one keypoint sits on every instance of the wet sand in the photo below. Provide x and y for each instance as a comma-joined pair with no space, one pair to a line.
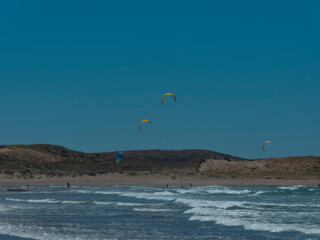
155,180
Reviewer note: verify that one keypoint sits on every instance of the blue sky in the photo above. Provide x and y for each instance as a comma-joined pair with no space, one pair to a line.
83,74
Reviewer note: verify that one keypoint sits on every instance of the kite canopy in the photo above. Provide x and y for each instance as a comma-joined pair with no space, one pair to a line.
264,144
142,122
119,157
167,94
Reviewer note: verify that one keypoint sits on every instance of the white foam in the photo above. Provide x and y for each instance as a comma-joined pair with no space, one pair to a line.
76,202
263,205
129,204
272,227
103,203
201,211
5,208
39,233
290,187
195,203
51,201
251,220
81,191
241,204
54,201
33,200
165,193
193,190
107,192
149,196
15,200
228,191
214,190
250,215
260,192
152,210
42,200
97,192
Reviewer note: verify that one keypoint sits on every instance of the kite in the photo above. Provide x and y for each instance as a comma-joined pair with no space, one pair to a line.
264,144
142,122
119,157
167,94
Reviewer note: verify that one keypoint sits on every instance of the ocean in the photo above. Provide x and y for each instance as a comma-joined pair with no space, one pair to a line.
146,212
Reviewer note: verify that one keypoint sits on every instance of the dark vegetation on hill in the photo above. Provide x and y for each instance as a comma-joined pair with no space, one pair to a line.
52,160
28,161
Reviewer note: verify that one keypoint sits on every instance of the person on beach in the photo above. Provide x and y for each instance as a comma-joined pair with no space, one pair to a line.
68,185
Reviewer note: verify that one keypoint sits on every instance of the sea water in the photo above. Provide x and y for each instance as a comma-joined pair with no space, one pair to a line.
145,212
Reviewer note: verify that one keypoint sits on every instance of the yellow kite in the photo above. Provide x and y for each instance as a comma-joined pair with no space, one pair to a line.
175,99
264,144
142,122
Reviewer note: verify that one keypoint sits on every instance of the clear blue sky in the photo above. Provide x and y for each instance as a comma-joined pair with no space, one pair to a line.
84,73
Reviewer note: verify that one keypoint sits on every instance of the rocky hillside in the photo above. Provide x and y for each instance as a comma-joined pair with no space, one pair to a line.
51,160
280,168
27,161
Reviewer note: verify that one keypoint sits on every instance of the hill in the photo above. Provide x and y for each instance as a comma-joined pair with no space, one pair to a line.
51,160
28,161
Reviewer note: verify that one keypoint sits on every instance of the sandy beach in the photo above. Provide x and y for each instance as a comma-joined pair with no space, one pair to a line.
155,180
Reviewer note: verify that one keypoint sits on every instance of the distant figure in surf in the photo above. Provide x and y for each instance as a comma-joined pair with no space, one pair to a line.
28,185
166,185
190,184
181,185
68,185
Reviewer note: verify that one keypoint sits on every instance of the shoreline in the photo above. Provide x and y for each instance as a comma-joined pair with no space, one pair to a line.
153,180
